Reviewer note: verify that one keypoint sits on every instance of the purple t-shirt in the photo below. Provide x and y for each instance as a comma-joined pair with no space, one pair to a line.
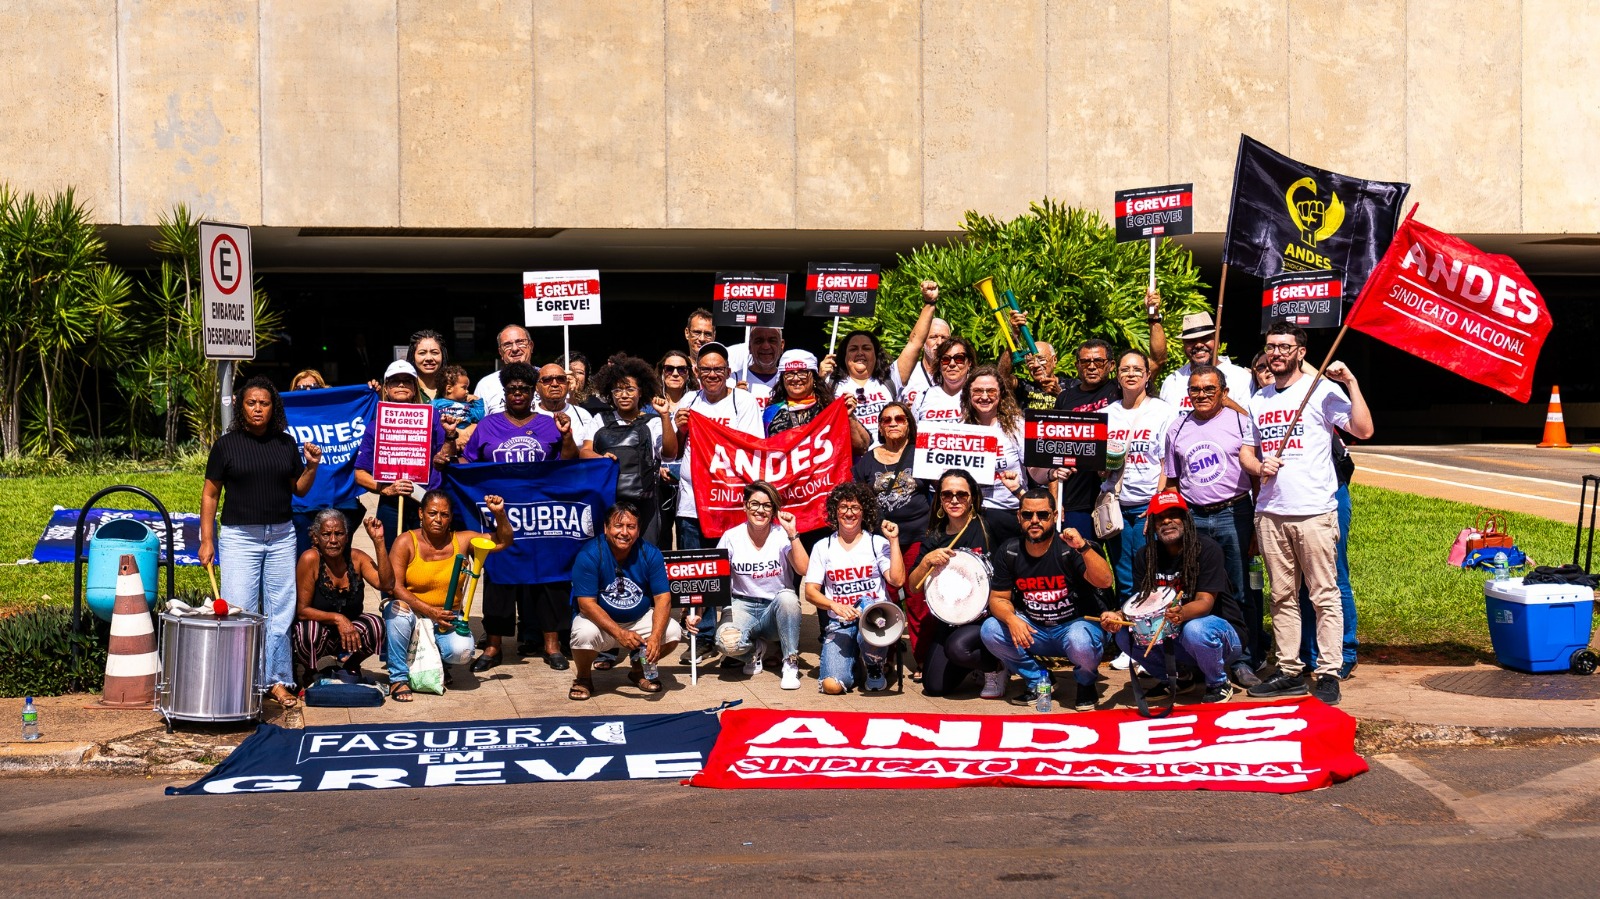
1203,457
497,439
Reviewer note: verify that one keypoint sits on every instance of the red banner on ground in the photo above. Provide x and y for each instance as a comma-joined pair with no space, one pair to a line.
1284,747
1442,299
803,463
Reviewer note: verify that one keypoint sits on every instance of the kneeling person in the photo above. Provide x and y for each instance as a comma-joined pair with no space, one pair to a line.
1054,581
619,586
1207,621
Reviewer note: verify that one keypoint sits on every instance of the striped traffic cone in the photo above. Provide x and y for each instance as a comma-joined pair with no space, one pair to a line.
1555,427
131,661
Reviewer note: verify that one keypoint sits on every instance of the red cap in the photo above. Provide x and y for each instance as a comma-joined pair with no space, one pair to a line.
1166,501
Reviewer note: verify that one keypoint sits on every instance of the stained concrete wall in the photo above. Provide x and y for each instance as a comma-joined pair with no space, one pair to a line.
785,114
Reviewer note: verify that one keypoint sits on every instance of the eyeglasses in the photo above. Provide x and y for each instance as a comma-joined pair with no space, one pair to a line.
1093,363
518,388
625,391
553,379
987,393
511,344
758,506
1035,515
708,335
674,369
720,372
955,495
1204,391
897,420
1262,369
955,359
1281,349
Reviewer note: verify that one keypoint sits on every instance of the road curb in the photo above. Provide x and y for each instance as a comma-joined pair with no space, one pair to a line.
42,757
1379,735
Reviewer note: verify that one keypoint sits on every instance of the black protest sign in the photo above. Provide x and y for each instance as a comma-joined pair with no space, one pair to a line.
843,289
1306,299
699,578
749,299
1148,212
1051,437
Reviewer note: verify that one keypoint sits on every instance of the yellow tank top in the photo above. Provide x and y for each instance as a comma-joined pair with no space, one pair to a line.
429,581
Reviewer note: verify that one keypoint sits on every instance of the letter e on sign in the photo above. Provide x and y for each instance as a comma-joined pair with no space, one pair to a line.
228,316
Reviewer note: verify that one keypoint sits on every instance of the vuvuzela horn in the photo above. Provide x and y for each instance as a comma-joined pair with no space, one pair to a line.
457,572
985,286
481,547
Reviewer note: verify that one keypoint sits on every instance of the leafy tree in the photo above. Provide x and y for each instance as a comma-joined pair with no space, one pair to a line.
1067,270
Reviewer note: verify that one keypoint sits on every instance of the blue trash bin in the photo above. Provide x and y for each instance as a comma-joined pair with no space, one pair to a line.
110,542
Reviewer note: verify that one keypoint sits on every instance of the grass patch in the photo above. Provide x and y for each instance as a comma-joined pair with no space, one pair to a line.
1406,594
26,504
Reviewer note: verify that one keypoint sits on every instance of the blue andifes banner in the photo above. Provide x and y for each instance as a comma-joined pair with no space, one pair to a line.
463,753
334,418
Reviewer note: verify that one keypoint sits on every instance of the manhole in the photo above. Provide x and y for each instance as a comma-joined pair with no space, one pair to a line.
1502,684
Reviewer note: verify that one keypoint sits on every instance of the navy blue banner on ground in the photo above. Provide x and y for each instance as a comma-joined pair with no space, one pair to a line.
56,544
554,507
334,418
463,753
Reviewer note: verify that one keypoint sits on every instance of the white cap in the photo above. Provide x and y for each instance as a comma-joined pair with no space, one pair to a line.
399,367
797,360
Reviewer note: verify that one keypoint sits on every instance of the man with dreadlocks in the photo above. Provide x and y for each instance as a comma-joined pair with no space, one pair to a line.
1207,620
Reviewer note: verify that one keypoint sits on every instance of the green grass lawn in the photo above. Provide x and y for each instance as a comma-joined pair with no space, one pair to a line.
26,504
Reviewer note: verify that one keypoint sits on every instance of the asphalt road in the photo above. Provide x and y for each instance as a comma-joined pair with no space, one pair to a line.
1458,821
1543,482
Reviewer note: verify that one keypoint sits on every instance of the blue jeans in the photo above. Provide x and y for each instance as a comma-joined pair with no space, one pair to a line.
258,576
1207,643
689,536
1233,528
774,619
398,622
1124,547
841,646
1347,597
1080,641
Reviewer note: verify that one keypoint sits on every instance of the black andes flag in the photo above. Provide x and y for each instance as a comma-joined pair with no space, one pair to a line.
1287,216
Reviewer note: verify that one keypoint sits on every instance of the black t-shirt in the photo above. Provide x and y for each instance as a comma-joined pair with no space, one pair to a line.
1080,489
975,537
1048,591
257,475
1212,578
1031,396
902,498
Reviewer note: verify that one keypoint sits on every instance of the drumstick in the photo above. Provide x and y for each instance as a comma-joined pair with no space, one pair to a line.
215,593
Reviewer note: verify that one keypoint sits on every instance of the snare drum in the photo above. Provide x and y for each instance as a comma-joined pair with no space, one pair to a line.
1147,616
958,593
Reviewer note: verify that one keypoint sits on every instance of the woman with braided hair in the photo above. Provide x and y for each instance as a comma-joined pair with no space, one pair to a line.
1204,617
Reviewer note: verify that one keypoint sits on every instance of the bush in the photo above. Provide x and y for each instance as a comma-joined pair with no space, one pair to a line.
36,654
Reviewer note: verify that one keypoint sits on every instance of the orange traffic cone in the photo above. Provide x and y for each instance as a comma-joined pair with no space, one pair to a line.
131,662
1555,428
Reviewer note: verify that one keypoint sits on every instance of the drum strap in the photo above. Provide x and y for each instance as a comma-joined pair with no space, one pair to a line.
1171,659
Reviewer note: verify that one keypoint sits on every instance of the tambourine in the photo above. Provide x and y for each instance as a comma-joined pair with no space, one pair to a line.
959,592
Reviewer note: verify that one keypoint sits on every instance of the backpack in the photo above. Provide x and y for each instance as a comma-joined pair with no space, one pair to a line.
635,449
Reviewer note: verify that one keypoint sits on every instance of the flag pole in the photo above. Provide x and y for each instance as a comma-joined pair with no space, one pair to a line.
1216,335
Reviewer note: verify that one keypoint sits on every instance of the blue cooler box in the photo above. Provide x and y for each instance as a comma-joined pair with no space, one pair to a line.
1537,628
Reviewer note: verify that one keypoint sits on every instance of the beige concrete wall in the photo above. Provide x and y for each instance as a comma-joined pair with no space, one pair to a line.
782,114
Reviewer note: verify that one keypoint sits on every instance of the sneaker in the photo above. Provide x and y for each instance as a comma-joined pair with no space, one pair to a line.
1087,697
1121,662
1346,668
707,650
994,685
831,686
876,681
1220,693
1030,696
752,663
728,662
1159,691
1279,684
791,674
1244,676
1327,689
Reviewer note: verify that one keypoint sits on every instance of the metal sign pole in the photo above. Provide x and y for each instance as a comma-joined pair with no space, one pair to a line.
225,375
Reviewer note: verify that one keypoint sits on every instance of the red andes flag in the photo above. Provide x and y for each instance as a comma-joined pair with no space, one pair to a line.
1442,299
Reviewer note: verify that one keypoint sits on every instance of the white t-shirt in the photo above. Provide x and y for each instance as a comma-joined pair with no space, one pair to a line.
937,406
850,577
997,495
492,393
870,401
916,385
1175,389
1145,430
759,572
582,420
737,410
1306,482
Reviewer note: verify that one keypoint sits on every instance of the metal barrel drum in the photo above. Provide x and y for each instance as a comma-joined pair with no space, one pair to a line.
211,668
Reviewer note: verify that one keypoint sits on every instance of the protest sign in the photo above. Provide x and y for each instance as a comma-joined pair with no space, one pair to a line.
972,448
400,450
803,463
1304,299
698,578
335,419
749,299
843,289
552,299
1148,212
552,507
1052,438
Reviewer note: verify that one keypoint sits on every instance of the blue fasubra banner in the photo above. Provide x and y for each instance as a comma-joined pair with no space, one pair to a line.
57,542
554,508
334,418
462,753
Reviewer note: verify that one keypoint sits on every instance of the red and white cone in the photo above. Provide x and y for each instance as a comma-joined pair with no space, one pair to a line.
131,660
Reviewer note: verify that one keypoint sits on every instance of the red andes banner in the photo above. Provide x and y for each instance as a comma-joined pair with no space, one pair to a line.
1442,299
803,463
1283,747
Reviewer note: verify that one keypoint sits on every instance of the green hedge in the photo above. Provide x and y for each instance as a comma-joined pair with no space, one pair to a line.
36,654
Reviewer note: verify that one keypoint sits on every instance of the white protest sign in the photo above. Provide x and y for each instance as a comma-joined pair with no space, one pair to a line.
972,448
552,299
228,313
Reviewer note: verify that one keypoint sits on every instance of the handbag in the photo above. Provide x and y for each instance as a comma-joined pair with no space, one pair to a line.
1490,532
427,667
1107,512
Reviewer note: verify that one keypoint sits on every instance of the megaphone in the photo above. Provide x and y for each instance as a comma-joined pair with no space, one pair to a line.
882,623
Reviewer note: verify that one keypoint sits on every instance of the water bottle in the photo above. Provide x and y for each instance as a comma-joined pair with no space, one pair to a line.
1502,569
1044,690
1257,573
30,720
641,656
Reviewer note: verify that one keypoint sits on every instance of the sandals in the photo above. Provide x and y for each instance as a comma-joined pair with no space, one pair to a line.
645,684
285,697
582,688
400,692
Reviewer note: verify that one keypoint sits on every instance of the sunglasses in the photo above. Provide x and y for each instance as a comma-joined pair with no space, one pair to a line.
956,359
897,420
1034,516
1094,363
519,388
1204,391
674,369
554,379
955,495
